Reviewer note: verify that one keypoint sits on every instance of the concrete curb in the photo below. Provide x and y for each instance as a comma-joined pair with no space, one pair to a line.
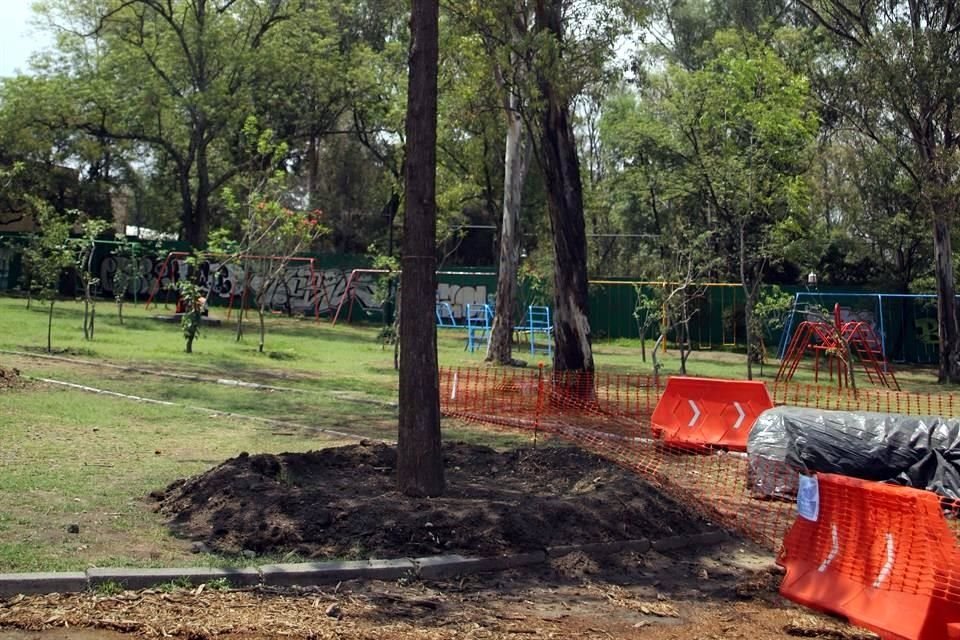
135,579
433,567
36,583
310,573
673,543
641,545
331,572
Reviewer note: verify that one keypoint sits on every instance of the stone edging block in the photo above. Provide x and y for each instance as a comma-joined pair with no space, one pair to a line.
313,573
310,573
641,545
145,578
693,540
33,583
433,567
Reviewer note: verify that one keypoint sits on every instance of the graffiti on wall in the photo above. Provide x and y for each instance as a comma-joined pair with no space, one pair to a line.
301,289
459,296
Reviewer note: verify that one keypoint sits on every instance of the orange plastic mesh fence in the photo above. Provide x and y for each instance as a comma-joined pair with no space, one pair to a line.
879,400
609,415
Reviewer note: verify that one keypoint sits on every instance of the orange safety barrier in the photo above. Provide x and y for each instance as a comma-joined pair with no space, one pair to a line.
896,567
881,555
703,411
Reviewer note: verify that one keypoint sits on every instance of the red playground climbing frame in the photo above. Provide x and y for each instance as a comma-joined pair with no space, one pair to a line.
838,342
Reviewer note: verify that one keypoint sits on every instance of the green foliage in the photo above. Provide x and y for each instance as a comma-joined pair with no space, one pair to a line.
769,315
48,250
178,584
272,233
108,588
648,309
221,242
90,230
535,286
126,276
220,584
193,300
47,254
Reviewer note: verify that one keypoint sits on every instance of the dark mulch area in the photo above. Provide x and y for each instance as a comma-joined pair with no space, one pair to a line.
11,379
342,502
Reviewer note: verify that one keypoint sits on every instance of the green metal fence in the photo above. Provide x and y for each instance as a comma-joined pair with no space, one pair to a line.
907,324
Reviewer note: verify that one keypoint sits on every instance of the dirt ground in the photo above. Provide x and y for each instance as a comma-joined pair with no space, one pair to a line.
720,593
341,502
10,379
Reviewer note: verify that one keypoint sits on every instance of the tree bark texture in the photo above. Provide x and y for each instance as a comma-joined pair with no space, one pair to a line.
947,326
561,169
419,456
516,164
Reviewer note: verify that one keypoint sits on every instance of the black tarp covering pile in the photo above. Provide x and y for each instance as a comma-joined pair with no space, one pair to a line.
916,451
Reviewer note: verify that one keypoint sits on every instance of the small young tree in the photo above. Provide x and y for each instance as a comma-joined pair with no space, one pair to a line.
386,293
91,229
680,303
648,312
769,313
48,253
126,275
276,234
273,234
192,294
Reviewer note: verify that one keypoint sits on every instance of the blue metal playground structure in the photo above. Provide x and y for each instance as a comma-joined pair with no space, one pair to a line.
536,327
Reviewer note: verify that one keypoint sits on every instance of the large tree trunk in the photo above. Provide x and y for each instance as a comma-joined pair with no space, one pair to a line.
419,455
313,171
187,223
949,332
561,169
201,208
516,164
748,280
50,326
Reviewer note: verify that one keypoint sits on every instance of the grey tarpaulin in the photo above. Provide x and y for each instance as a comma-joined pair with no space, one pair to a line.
916,451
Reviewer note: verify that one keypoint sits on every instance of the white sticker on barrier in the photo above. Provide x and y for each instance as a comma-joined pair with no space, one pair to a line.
891,557
741,415
696,413
834,548
808,497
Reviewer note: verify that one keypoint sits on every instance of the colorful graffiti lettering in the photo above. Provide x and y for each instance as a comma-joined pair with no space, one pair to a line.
301,290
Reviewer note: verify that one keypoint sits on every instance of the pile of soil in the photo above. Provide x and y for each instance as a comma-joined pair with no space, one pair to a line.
10,379
342,502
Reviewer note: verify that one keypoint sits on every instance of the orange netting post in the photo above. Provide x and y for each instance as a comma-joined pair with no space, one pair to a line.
883,556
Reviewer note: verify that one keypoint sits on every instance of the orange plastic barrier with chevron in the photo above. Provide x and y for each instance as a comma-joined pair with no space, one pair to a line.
881,555
699,412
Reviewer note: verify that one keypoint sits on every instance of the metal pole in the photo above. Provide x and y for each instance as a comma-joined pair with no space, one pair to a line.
883,333
786,332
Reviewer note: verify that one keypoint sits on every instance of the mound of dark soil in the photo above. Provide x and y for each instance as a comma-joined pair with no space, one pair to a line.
11,379
342,502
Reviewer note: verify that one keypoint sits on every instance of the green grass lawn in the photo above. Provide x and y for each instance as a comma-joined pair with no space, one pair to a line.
71,457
